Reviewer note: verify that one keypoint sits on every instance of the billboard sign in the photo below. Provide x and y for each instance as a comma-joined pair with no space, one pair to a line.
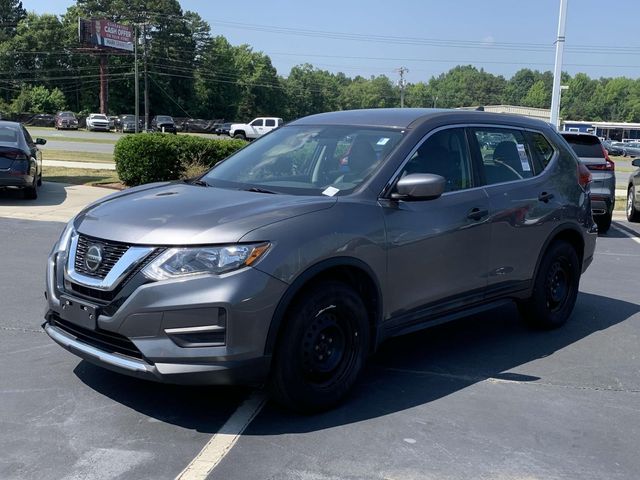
105,33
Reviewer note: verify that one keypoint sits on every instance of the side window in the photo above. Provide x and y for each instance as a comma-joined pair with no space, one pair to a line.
27,137
257,123
444,153
541,149
505,155
269,122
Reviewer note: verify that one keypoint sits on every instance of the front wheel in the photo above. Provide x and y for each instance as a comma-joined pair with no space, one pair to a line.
240,136
323,346
632,213
555,288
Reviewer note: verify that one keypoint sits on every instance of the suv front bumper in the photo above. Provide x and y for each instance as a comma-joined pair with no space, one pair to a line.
141,338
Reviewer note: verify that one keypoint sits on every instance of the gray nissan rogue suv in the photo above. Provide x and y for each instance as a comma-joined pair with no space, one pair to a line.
292,260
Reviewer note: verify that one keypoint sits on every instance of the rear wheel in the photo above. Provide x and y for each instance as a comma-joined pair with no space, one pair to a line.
31,193
632,214
555,288
40,179
322,349
604,222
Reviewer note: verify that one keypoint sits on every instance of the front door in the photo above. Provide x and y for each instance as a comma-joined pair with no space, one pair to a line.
438,249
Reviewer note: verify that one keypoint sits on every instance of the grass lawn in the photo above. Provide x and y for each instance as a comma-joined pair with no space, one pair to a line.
65,138
79,176
72,156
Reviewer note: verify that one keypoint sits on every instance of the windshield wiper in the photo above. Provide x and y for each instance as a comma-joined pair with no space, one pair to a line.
257,190
198,182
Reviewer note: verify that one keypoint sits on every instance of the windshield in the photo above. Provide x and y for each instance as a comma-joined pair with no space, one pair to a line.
67,115
164,119
99,117
129,118
307,160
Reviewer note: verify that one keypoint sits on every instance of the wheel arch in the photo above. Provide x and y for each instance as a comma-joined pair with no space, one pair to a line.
569,233
353,272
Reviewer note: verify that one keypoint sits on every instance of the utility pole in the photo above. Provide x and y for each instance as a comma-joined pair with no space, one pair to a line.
557,71
402,83
146,80
104,86
136,79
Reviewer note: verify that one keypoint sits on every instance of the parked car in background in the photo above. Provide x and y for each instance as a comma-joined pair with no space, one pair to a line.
20,159
127,124
633,197
254,129
291,261
631,149
593,155
66,120
223,129
163,123
613,148
97,121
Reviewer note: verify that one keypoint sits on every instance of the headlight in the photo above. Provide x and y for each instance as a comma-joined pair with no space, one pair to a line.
63,242
182,262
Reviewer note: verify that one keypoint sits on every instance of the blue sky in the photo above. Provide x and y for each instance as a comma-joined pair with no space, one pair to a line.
426,36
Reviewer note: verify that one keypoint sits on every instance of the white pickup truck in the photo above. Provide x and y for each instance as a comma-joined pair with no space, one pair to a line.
254,129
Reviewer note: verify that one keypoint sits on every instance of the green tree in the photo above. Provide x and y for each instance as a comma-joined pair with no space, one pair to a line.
539,96
376,92
11,12
39,100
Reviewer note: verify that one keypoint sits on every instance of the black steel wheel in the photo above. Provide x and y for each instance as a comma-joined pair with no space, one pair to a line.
555,287
322,348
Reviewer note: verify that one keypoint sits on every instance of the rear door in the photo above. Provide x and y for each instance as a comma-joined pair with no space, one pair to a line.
523,202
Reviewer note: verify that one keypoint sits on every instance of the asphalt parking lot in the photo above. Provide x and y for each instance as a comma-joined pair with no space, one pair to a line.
481,398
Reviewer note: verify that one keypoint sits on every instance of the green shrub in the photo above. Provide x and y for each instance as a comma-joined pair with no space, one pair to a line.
157,157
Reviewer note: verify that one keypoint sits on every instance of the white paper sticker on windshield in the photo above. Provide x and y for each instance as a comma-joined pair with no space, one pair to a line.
383,141
524,161
330,191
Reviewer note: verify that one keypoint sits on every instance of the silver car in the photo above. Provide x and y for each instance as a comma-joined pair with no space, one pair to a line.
294,259
594,156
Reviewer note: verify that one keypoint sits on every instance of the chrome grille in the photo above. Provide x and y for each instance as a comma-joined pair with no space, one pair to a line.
111,253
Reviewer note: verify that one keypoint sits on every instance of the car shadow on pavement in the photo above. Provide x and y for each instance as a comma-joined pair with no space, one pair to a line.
406,372
49,194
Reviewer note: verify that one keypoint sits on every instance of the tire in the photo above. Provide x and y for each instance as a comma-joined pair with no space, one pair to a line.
322,348
632,214
31,193
603,222
40,179
555,288
240,136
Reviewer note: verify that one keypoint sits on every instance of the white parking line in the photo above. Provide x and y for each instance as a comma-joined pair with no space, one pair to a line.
628,232
222,442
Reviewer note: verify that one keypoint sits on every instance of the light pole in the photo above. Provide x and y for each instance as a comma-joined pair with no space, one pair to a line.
557,71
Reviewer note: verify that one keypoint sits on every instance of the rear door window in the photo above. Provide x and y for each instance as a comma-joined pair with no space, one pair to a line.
269,122
505,153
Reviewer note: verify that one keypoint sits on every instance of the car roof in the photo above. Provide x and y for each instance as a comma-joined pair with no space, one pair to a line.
413,117
7,123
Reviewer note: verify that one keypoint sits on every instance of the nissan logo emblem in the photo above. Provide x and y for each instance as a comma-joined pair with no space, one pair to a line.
93,258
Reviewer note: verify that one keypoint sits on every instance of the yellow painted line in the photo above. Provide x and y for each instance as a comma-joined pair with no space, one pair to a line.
222,442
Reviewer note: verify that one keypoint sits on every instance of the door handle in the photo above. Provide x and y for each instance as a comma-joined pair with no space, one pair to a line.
545,197
477,213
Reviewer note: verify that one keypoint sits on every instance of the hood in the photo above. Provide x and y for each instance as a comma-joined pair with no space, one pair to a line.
183,214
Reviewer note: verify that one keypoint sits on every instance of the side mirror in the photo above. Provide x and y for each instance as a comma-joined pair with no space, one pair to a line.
40,141
636,162
419,186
